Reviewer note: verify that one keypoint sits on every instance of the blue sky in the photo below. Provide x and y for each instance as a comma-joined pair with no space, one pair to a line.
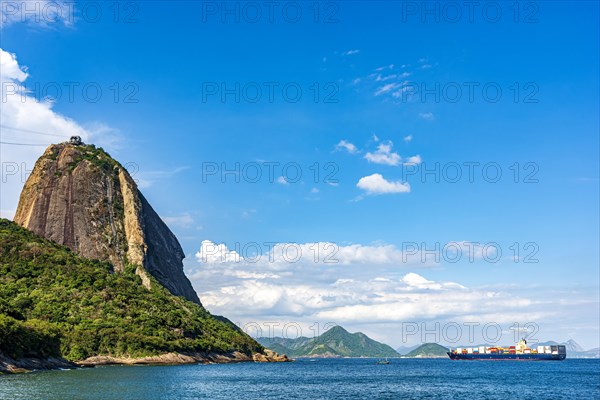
372,127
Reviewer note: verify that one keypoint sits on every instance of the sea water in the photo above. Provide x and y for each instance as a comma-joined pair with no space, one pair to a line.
317,379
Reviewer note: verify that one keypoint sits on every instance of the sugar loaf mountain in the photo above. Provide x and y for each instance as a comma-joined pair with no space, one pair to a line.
90,274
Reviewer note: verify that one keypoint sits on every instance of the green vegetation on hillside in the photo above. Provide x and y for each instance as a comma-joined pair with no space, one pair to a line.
429,350
95,155
336,342
55,303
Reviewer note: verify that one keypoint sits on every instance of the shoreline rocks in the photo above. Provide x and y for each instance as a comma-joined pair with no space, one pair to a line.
270,356
28,364
11,366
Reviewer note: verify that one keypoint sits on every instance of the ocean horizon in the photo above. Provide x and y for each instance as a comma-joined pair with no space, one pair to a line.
339,378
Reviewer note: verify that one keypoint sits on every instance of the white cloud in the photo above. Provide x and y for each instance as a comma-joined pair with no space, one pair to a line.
405,86
414,160
370,286
376,184
345,145
260,296
427,116
408,138
384,155
213,253
351,52
314,190
292,256
386,88
281,180
417,281
385,78
250,275
35,123
391,66
10,68
182,221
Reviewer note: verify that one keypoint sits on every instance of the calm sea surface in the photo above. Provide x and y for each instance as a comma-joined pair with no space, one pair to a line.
320,379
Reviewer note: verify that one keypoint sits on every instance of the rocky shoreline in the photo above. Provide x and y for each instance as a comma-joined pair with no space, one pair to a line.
28,364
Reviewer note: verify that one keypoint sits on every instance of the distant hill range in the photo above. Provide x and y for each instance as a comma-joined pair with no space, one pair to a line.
336,342
574,350
428,350
406,349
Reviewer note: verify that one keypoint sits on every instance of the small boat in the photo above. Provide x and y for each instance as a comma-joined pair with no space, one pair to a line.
382,362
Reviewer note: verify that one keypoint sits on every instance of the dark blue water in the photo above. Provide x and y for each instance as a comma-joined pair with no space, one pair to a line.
321,379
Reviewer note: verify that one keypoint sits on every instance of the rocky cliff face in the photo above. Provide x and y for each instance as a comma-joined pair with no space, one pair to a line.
79,196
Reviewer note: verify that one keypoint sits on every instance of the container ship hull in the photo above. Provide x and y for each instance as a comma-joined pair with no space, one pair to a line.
495,357
519,352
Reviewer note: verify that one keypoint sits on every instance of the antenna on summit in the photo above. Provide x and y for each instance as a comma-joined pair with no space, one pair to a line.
75,140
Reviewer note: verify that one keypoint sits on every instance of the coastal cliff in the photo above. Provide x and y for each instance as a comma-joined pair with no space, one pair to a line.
78,196
90,275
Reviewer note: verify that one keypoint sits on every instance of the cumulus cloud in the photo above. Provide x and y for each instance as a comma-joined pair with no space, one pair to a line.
10,67
414,160
351,52
384,155
408,138
376,184
370,289
347,146
282,256
303,279
347,298
28,127
213,253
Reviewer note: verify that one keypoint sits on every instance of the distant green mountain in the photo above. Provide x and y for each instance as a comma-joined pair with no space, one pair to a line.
336,342
406,349
285,343
429,350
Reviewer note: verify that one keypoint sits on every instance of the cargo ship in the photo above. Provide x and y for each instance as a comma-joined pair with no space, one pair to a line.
518,352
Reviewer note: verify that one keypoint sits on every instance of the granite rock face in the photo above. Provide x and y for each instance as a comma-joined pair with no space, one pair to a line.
80,197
